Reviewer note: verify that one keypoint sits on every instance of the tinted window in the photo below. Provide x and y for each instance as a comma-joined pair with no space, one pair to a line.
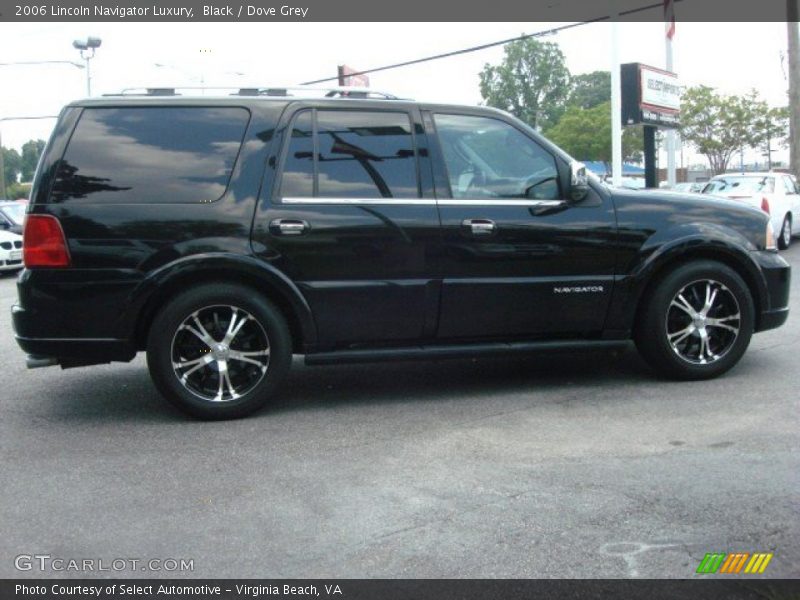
147,155
360,154
298,171
366,155
487,158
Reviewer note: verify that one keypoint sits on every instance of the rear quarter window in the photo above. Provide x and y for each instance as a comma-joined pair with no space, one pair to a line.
151,155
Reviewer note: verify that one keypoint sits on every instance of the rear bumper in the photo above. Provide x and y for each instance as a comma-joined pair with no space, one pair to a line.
74,315
68,352
777,277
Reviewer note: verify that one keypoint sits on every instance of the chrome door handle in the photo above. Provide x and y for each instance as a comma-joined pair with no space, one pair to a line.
288,226
480,226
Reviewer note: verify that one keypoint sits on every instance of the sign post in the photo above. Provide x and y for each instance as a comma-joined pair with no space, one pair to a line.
669,20
616,101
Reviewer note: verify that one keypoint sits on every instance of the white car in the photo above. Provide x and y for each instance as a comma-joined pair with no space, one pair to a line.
628,183
689,186
10,251
777,194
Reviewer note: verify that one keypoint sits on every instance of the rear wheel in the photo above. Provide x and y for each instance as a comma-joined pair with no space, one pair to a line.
219,351
785,238
697,322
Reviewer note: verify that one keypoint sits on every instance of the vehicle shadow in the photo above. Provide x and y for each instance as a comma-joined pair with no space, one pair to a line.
409,380
126,393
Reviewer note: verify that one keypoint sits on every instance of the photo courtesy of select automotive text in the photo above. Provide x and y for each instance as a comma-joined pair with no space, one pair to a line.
368,300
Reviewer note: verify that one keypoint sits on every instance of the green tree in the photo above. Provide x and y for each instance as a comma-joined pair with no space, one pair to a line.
718,125
31,151
770,128
12,165
590,89
532,82
586,134
15,191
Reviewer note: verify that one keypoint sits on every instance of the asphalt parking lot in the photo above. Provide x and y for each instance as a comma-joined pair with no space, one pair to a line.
569,466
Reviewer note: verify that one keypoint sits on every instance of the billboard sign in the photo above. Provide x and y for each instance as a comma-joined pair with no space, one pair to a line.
650,96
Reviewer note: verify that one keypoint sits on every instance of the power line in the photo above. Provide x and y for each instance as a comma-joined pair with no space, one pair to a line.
544,33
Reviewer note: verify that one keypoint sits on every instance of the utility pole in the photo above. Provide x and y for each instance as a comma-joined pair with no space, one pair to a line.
794,85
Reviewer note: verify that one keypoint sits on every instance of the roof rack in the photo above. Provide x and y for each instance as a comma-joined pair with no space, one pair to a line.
272,91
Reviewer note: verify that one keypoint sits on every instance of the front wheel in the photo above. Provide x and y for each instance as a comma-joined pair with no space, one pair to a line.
785,238
697,322
219,351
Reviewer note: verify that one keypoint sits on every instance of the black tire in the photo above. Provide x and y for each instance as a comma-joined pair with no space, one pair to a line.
785,237
249,369
659,317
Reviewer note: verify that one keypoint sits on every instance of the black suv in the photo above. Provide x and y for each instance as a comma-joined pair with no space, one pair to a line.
224,234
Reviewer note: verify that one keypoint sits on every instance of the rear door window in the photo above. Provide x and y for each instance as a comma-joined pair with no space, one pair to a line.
351,154
298,170
151,155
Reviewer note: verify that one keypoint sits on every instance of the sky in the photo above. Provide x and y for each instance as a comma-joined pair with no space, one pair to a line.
732,57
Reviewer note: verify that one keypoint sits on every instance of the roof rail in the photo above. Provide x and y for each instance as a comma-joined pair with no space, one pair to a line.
274,91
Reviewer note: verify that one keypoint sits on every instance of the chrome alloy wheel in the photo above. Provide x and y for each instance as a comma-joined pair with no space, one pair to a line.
220,353
703,322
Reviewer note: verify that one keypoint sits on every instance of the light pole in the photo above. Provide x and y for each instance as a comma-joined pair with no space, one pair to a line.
90,43
2,165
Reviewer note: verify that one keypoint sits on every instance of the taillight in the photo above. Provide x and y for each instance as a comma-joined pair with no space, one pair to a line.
43,242
765,205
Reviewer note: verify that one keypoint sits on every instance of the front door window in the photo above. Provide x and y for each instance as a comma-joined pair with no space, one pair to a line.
488,158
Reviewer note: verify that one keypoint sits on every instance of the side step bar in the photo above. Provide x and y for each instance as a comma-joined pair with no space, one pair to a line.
458,351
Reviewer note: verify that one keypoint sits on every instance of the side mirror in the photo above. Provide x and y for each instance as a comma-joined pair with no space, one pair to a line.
579,181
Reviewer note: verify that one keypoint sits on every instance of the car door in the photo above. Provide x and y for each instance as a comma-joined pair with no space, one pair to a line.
520,260
354,225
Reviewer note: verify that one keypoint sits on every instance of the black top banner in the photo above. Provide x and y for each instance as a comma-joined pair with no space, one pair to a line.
370,10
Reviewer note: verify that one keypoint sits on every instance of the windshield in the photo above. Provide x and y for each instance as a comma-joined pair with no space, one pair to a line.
15,212
740,185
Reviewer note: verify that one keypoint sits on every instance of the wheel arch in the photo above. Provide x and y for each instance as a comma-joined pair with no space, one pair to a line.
652,273
162,285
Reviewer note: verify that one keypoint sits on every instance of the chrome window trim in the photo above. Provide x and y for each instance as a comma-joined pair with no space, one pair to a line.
421,202
499,202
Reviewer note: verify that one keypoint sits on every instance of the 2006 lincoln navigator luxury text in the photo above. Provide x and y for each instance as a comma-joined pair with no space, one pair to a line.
221,235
